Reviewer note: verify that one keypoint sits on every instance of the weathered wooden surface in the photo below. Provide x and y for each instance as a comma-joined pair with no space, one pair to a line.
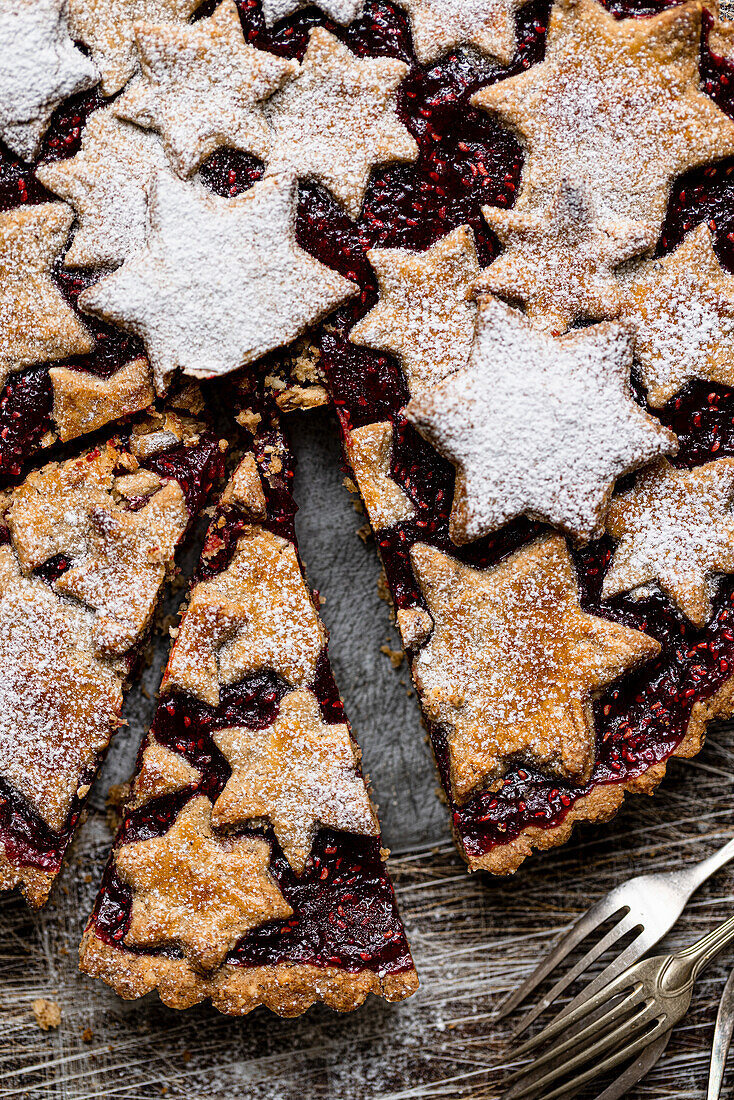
473,938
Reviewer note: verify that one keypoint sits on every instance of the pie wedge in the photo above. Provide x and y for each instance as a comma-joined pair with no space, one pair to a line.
248,867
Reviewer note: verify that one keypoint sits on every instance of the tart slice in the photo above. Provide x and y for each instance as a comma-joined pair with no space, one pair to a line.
87,545
248,867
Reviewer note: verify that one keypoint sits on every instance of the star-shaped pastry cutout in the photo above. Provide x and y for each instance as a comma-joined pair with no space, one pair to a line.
426,312
161,772
559,262
106,184
59,704
50,510
337,119
219,282
341,11
36,323
84,402
196,890
298,773
106,27
258,614
674,528
369,449
202,86
125,565
538,425
440,25
513,665
39,67
616,102
682,308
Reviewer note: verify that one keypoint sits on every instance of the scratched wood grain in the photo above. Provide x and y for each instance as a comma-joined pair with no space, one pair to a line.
474,938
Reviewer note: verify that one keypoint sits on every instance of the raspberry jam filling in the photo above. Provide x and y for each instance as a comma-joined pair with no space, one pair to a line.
465,161
344,909
25,838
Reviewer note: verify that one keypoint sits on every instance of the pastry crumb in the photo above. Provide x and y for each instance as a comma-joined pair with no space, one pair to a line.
47,1013
396,656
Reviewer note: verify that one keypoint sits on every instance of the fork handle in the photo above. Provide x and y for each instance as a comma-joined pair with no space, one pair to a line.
684,967
699,872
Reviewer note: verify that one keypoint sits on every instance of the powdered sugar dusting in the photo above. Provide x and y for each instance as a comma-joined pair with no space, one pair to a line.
257,614
36,323
341,11
297,773
202,86
426,313
676,528
107,28
682,307
513,662
617,103
337,119
440,25
537,425
219,282
106,184
198,890
559,261
59,702
39,67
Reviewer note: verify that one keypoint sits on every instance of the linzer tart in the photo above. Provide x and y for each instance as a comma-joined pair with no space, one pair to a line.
87,546
248,867
563,589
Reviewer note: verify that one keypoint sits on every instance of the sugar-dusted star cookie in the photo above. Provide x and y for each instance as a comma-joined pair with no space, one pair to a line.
196,890
617,102
440,25
257,614
202,87
219,282
513,664
39,67
538,425
675,528
36,323
426,311
106,27
297,773
682,308
337,119
106,184
559,261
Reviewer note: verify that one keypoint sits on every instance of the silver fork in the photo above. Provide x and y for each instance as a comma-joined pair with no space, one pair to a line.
638,1008
722,1039
648,905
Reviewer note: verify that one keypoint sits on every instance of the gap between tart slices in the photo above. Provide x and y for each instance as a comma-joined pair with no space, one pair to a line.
250,759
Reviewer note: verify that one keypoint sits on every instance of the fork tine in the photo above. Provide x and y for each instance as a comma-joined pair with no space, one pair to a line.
548,1071
625,925
639,1068
642,1043
632,953
625,1010
565,942
622,984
